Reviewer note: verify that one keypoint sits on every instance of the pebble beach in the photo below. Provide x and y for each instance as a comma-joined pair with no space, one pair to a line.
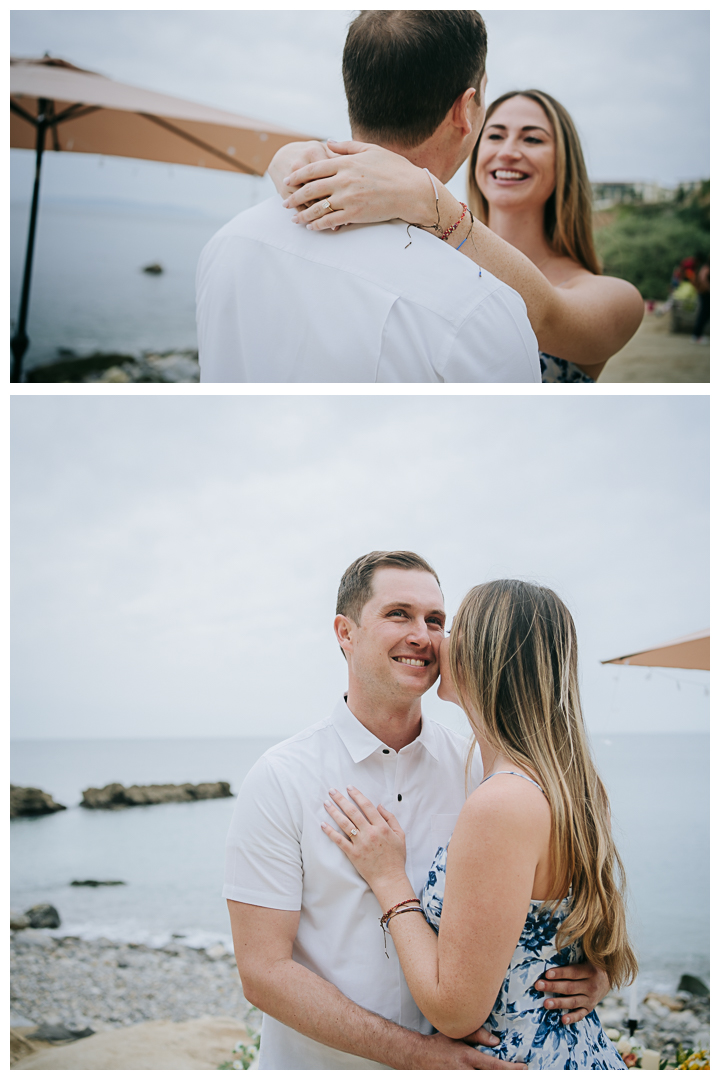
105,985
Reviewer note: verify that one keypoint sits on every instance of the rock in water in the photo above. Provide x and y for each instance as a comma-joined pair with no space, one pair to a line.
31,802
218,790
94,884
115,796
153,268
18,921
43,916
693,986
107,798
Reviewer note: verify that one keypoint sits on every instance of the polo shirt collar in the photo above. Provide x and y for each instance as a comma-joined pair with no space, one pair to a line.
360,743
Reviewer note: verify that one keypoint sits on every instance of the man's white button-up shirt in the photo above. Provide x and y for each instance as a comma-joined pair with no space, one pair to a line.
279,303
279,857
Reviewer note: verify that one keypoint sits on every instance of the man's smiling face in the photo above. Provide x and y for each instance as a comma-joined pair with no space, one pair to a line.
393,651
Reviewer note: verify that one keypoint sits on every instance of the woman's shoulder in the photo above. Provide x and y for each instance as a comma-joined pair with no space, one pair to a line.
601,285
510,796
606,296
565,273
506,813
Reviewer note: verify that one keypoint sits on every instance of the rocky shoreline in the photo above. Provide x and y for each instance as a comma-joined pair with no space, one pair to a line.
32,802
666,1023
115,796
104,985
179,365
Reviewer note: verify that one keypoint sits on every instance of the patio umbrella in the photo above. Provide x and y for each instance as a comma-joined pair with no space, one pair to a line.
692,651
86,113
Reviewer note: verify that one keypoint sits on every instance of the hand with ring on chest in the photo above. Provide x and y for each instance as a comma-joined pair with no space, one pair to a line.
372,840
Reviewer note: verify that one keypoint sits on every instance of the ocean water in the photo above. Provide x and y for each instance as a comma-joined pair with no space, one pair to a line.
171,856
88,290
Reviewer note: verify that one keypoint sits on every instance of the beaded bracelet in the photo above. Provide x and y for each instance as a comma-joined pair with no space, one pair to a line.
403,912
384,918
452,228
472,225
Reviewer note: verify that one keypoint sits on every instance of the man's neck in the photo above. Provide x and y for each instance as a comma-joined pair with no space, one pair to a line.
396,724
433,154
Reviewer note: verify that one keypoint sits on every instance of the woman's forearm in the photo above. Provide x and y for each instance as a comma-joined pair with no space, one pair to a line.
417,947
485,249
370,183
586,323
416,944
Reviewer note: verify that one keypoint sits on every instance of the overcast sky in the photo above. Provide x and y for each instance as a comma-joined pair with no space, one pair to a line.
636,83
176,558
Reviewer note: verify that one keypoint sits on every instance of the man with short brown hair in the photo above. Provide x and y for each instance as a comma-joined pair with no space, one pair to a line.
385,50
278,303
356,584
305,924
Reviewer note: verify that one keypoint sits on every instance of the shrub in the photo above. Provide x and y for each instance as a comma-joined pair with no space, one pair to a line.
644,242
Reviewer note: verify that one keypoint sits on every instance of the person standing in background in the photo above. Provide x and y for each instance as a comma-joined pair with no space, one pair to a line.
702,319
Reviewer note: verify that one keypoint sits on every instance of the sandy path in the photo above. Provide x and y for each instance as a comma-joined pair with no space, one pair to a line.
158,1044
655,355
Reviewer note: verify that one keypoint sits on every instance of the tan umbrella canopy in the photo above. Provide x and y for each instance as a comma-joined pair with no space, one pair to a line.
692,651
87,113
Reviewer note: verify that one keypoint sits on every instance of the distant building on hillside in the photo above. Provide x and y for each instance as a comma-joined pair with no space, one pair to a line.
610,193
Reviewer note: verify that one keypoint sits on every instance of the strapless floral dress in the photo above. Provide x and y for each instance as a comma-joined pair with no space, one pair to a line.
528,1032
554,370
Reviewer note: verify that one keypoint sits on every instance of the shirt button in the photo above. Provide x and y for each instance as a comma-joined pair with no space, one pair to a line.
399,798
386,751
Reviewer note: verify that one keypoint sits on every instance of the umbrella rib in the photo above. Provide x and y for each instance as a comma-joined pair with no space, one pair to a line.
198,142
14,107
74,112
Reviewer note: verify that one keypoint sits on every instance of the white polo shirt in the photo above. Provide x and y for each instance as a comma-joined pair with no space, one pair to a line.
279,857
278,303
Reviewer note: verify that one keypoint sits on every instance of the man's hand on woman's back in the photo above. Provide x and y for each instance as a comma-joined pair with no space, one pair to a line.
578,987
443,1053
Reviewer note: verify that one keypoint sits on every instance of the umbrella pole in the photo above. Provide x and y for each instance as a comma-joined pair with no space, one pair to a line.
20,341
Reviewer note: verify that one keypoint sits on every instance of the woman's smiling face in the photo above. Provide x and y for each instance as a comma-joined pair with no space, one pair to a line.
516,156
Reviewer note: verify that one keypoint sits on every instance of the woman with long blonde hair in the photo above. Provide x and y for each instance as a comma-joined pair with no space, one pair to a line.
531,877
528,221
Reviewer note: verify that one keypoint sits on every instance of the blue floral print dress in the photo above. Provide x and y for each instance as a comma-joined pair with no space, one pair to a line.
528,1032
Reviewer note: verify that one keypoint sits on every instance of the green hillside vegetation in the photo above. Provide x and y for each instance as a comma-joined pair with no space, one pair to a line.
644,242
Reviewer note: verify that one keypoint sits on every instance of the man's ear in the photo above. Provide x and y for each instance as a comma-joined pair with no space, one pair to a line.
461,114
344,632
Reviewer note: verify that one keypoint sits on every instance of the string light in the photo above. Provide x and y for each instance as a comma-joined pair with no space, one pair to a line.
678,682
